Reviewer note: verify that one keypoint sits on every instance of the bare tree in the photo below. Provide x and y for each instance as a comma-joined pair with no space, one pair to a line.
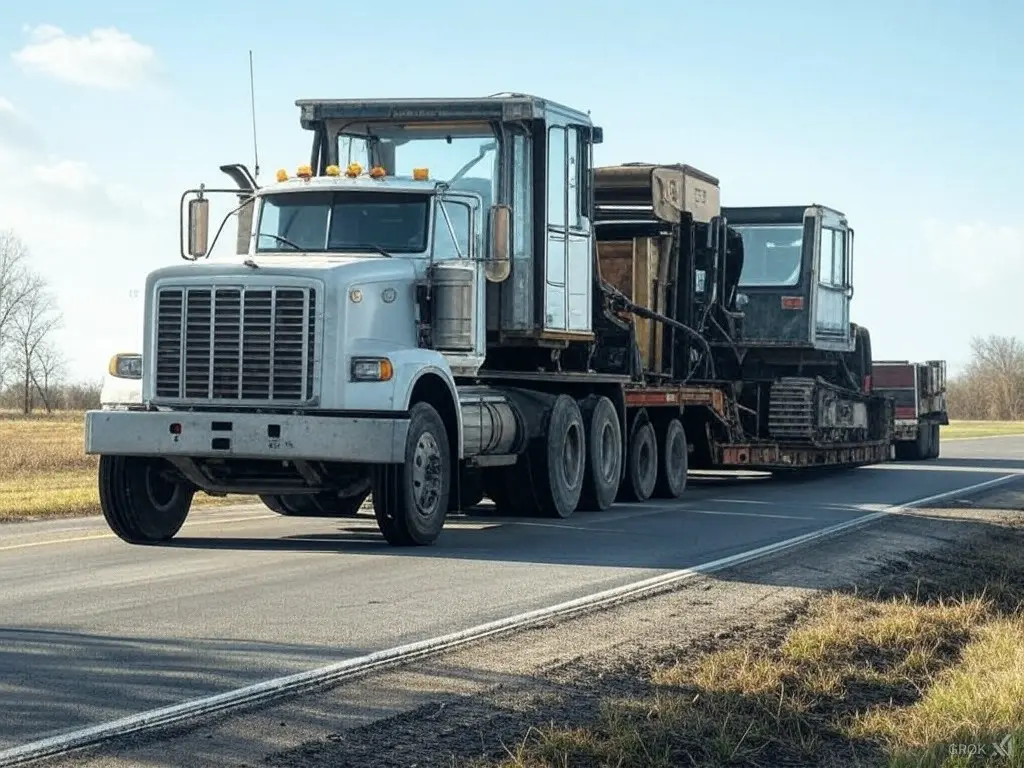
18,283
992,385
48,367
33,325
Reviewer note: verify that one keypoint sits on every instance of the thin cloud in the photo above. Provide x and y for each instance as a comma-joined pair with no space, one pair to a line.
104,58
16,133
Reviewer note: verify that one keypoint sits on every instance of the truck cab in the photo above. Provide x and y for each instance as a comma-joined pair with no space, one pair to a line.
426,242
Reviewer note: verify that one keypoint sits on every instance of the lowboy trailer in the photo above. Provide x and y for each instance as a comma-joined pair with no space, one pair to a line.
549,334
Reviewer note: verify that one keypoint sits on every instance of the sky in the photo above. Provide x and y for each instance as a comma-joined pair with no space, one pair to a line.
905,116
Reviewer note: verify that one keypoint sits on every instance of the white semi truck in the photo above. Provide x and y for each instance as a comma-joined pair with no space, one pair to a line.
420,313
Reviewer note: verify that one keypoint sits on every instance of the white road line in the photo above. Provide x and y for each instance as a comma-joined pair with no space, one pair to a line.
723,513
270,689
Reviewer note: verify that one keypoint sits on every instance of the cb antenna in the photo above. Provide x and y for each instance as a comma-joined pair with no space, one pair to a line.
252,106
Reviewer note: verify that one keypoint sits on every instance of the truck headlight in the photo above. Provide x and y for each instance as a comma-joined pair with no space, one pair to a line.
372,369
125,365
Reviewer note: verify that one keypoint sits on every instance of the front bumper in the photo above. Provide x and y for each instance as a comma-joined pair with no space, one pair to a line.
246,436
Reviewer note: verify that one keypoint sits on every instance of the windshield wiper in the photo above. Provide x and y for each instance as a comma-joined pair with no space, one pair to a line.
379,250
280,239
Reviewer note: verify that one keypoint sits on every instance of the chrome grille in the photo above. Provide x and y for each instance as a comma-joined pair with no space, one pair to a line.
246,344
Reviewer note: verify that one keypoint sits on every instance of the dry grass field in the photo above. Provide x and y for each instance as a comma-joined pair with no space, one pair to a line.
44,471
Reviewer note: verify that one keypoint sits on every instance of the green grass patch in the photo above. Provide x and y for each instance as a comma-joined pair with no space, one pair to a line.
958,429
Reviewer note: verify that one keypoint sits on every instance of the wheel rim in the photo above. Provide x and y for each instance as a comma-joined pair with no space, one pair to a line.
572,455
676,451
426,474
643,458
159,489
607,458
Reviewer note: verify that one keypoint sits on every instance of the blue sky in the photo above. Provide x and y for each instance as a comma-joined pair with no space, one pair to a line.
906,117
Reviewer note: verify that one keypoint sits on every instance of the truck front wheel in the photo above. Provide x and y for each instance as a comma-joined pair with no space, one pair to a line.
410,500
140,500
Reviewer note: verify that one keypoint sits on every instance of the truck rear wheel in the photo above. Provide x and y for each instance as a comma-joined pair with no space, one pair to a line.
603,466
410,500
641,464
672,461
558,460
140,502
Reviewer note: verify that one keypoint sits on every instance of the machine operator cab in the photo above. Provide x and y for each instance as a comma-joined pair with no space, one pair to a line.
796,277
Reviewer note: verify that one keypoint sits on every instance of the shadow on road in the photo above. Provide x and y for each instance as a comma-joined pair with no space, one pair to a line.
54,681
713,520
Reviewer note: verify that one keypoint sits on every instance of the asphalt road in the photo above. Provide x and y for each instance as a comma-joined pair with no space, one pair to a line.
92,629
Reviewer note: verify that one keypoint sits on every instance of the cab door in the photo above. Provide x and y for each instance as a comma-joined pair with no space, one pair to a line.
568,266
833,285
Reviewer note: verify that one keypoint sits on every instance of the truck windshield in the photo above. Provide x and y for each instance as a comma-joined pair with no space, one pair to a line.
320,221
771,254
468,162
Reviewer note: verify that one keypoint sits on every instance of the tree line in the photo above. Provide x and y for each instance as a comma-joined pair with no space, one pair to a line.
991,387
33,368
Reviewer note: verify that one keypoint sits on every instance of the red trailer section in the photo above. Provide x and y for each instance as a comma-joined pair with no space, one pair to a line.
918,392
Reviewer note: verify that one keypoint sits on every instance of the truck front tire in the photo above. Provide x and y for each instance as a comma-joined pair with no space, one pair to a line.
140,503
410,500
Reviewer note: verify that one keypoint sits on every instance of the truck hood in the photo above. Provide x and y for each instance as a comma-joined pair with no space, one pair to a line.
330,269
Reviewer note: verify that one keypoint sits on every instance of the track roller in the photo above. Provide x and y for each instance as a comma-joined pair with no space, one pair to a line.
410,500
673,460
140,499
603,466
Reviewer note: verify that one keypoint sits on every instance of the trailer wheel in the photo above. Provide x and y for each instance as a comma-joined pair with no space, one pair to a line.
642,464
672,461
557,460
603,466
410,500
139,502
935,447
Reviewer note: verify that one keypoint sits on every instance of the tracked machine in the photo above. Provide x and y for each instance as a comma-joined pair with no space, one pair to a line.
756,303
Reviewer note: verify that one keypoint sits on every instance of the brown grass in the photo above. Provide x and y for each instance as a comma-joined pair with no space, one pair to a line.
903,675
44,471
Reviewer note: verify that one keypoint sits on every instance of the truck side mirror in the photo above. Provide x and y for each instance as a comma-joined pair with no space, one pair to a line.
198,227
499,263
245,214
